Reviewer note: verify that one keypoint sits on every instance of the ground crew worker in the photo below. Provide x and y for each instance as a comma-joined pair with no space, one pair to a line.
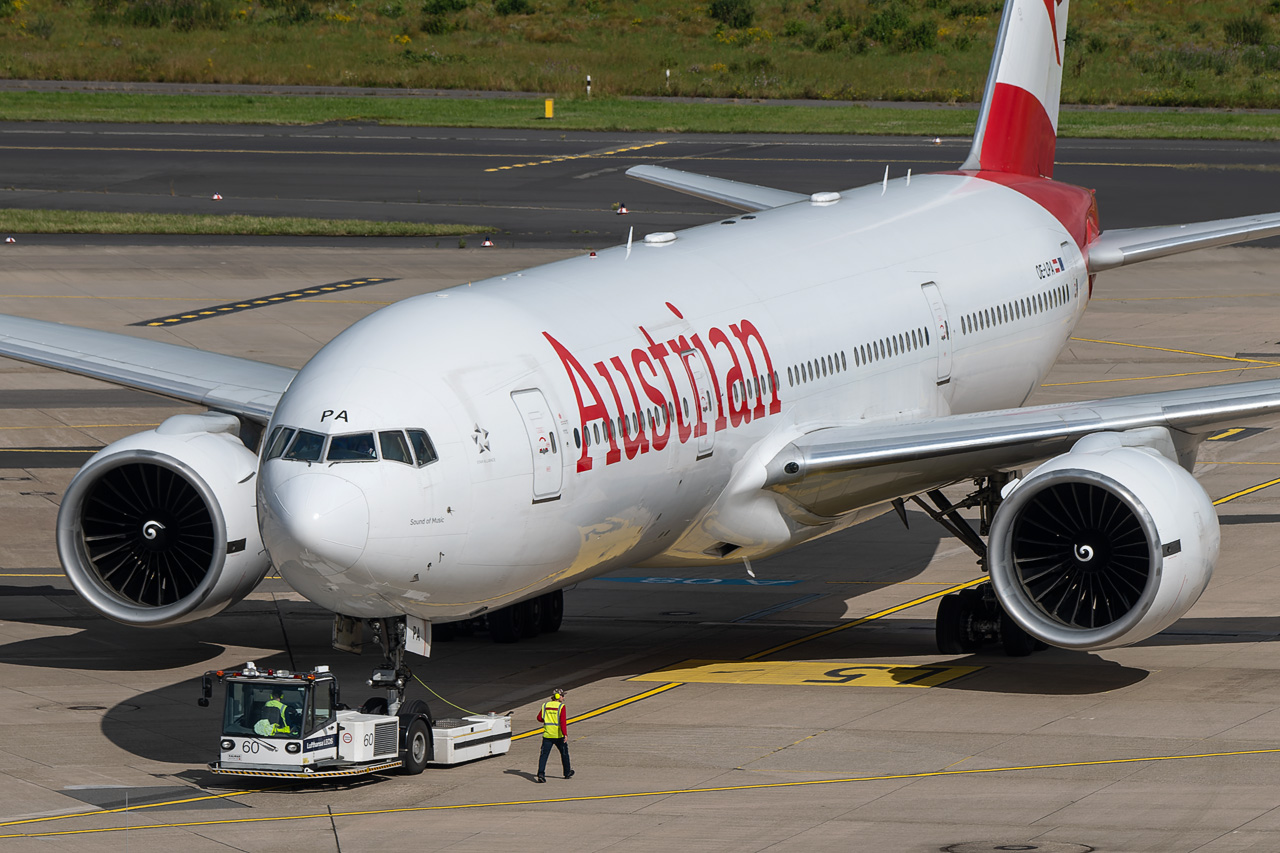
555,731
276,723
272,723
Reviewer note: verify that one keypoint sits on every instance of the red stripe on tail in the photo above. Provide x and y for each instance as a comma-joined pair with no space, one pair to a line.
1019,137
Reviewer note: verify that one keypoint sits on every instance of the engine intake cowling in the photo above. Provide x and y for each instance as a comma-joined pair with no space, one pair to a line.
1102,546
161,527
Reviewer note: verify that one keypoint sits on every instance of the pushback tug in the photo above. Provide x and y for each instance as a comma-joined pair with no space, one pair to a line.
286,724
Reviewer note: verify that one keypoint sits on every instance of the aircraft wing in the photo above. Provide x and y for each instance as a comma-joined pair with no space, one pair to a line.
223,382
1118,248
733,193
832,470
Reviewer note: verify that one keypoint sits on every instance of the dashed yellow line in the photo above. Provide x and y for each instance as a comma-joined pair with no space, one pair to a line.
576,157
672,792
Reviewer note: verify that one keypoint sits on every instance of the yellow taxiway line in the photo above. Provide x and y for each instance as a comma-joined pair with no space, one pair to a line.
672,792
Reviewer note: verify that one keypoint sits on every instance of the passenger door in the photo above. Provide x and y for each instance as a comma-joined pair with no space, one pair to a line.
541,428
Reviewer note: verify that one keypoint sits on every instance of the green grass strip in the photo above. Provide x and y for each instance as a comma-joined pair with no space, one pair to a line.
15,221
609,114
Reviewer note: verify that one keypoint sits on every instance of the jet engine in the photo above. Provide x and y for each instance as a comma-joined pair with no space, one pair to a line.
161,527
1102,546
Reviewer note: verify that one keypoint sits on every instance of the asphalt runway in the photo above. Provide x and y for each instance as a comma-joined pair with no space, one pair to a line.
550,189
787,736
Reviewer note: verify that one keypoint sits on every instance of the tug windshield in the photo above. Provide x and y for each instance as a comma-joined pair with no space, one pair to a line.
264,710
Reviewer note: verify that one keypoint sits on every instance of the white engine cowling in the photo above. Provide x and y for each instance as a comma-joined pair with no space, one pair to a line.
1102,546
161,527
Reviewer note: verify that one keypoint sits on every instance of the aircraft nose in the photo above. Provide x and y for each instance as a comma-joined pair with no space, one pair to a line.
323,515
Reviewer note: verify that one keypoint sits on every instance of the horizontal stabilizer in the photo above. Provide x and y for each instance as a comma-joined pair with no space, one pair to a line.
733,193
223,382
1121,247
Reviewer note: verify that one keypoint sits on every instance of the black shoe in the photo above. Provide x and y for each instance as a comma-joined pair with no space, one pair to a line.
569,775
540,779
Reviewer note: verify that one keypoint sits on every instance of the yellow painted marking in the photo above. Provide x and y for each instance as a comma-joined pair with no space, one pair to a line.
27,575
1244,492
622,703
1178,351
1173,298
42,450
625,795
576,157
1225,434
137,808
1161,376
853,623
807,673
1242,463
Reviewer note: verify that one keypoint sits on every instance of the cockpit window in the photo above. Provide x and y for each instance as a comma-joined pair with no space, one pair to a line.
306,447
352,448
279,441
422,447
394,447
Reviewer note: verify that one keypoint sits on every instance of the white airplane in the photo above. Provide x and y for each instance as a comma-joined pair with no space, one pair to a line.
704,397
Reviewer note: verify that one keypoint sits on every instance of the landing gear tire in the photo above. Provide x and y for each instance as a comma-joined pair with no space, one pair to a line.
507,625
952,627
552,611
417,748
532,618
374,705
1017,642
443,632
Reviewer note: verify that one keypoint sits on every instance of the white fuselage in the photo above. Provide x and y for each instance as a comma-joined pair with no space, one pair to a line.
689,363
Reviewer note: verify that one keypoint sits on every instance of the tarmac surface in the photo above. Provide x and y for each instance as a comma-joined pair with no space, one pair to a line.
788,737
546,188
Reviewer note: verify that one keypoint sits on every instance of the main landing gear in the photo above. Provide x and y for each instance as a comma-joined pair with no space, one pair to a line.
523,620
971,618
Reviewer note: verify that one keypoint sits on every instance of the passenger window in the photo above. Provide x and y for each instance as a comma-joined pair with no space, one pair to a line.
306,447
595,432
394,447
279,441
352,448
577,439
423,449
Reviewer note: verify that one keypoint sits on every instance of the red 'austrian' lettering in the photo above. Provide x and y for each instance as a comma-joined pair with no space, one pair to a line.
650,432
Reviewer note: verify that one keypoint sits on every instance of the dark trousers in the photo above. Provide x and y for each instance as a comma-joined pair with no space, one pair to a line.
559,743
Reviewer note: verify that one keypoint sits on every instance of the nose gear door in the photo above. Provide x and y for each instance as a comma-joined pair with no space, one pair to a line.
541,427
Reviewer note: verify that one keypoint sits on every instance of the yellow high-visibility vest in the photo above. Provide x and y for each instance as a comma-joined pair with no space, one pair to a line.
282,728
551,719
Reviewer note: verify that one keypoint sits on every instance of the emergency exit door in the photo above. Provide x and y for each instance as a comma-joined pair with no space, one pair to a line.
941,330
541,427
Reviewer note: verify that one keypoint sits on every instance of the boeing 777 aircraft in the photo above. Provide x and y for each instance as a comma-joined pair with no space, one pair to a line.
703,397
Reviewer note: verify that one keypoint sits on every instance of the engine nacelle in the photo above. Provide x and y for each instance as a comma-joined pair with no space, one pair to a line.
1102,546
161,527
